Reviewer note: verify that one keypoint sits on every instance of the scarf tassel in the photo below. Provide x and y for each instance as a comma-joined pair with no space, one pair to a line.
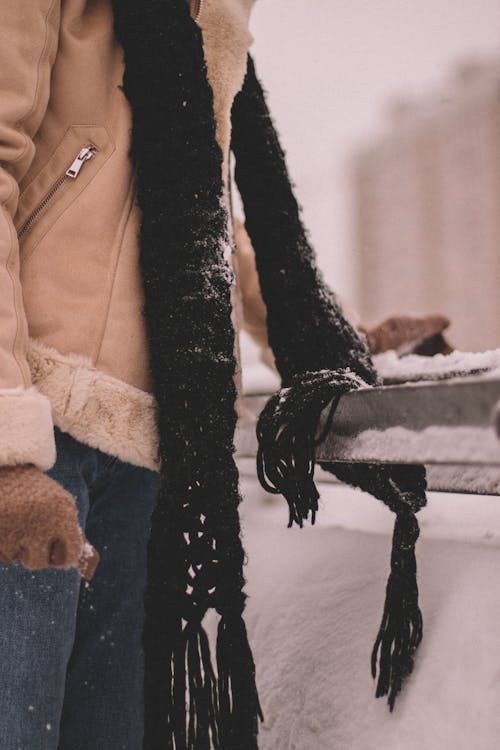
201,683
287,435
239,707
401,628
215,712
193,704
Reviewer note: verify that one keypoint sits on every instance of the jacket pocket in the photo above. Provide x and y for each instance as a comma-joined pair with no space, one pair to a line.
75,162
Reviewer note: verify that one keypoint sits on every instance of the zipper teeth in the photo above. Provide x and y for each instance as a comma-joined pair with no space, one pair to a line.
43,204
199,6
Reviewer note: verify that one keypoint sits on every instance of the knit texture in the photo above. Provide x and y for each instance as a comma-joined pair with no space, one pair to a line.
195,552
39,521
305,322
319,356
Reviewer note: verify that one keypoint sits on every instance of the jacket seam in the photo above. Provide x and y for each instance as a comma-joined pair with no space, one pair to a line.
126,218
17,343
29,111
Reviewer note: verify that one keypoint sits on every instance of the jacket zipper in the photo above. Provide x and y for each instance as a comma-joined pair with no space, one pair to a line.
86,153
197,9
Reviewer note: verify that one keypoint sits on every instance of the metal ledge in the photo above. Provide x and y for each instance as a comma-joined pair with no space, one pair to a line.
450,426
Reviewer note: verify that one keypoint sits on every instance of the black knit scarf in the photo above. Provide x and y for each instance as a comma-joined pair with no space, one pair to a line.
319,357
195,552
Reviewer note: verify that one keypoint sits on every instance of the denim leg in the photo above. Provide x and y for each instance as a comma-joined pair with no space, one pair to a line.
37,624
103,705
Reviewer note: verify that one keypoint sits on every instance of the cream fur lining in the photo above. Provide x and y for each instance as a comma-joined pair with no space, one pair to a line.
26,429
96,409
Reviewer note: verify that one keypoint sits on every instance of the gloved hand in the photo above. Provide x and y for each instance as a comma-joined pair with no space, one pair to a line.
406,334
39,523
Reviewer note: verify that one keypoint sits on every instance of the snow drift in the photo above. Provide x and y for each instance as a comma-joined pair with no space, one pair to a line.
315,602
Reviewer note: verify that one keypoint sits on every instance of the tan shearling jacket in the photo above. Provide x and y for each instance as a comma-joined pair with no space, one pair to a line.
73,348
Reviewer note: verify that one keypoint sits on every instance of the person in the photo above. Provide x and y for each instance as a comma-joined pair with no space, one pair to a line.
78,441
119,373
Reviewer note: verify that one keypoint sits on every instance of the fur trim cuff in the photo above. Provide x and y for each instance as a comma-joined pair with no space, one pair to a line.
27,433
96,409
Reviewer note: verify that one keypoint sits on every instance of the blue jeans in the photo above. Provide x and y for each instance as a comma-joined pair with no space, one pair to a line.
71,670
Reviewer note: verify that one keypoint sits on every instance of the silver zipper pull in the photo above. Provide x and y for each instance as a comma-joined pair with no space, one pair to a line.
85,154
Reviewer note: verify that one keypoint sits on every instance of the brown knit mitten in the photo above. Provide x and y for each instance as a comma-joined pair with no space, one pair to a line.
39,523
406,334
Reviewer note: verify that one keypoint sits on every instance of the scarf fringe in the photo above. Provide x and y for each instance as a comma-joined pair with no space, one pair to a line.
239,707
203,700
287,437
401,628
209,712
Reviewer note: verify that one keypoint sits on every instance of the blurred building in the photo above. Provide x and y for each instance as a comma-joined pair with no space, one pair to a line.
427,210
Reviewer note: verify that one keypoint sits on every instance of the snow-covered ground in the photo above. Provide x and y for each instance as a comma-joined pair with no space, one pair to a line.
315,602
